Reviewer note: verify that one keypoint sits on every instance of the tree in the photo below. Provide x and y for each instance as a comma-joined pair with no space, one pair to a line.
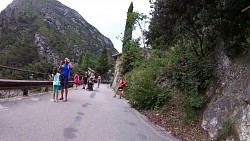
130,48
197,22
128,29
102,65
80,59
192,28
130,57
86,61
140,24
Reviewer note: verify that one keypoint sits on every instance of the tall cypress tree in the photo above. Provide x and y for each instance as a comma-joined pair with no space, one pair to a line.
130,51
128,29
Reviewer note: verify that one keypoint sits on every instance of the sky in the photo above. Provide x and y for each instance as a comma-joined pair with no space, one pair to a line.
108,16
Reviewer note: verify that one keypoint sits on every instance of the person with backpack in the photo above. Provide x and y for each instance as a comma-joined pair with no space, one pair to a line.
65,72
121,85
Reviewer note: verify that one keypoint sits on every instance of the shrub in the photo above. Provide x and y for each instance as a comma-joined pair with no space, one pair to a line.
146,94
193,79
141,88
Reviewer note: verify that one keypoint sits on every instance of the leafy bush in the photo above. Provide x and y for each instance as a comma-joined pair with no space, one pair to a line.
141,89
146,94
193,79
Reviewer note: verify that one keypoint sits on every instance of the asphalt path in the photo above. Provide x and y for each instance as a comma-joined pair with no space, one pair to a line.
86,116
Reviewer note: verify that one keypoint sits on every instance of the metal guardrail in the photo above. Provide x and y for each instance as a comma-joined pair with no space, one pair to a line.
6,84
24,85
16,84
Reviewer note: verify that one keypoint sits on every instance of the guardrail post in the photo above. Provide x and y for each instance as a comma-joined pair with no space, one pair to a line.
25,92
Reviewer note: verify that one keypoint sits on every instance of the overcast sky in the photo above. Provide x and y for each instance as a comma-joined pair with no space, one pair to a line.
108,16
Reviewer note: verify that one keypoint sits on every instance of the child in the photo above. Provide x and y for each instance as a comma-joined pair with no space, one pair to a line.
120,86
56,84
76,80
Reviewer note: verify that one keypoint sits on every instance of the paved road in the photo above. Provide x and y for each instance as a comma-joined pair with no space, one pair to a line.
86,116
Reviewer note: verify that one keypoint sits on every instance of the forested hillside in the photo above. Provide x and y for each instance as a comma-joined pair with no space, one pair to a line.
37,34
188,41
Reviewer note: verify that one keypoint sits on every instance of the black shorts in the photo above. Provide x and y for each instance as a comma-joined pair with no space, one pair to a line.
85,81
64,81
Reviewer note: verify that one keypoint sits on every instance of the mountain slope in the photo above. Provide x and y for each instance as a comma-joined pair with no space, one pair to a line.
35,30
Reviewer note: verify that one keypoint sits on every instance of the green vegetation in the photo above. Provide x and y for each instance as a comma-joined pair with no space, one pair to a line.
141,89
226,128
102,65
192,75
129,47
58,35
83,63
185,37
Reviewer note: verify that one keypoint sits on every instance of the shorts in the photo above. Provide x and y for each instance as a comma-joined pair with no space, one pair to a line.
119,88
85,81
55,87
64,81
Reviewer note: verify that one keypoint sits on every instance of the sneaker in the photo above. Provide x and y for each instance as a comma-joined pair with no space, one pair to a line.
61,98
52,100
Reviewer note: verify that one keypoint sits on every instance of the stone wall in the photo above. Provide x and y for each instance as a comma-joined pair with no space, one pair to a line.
118,69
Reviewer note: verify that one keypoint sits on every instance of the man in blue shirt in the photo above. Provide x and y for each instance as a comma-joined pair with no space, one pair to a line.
65,72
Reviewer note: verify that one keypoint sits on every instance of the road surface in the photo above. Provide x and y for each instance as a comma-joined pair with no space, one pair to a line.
86,116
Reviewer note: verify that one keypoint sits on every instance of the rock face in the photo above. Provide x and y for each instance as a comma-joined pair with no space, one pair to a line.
50,29
229,109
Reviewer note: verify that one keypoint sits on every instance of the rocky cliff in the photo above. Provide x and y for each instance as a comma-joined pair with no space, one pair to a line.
32,30
227,115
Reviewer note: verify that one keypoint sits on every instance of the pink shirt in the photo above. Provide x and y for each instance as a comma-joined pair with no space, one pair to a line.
76,78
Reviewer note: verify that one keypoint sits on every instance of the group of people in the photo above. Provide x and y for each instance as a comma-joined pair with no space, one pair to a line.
60,77
88,81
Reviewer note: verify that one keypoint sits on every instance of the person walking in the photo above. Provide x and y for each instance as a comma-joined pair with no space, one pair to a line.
76,80
99,80
56,84
121,85
65,71
85,80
